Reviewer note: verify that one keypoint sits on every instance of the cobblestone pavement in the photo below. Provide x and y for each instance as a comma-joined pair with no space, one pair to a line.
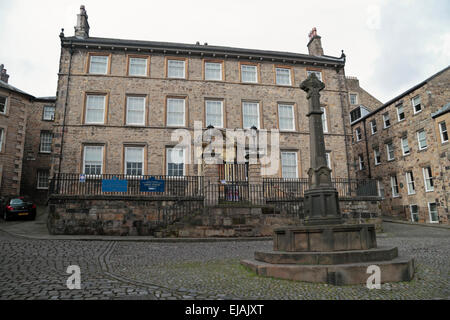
36,269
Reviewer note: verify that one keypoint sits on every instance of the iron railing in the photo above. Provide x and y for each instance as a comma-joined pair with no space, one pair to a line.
73,184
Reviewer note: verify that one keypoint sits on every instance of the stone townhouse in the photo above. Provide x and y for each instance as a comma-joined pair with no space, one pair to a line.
38,147
404,144
120,100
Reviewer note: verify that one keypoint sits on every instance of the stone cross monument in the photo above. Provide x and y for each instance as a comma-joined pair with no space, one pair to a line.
321,200
323,248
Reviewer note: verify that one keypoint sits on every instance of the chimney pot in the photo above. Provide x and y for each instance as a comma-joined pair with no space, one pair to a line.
314,44
3,75
82,27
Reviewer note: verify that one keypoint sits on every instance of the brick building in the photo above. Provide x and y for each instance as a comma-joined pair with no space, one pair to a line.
120,101
404,144
14,105
26,125
37,150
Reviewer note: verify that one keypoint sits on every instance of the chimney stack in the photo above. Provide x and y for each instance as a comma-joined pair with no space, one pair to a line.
315,44
3,75
82,27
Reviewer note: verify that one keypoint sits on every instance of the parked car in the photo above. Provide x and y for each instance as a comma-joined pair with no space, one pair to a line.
17,206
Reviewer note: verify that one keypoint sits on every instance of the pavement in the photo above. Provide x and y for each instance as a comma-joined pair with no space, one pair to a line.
35,268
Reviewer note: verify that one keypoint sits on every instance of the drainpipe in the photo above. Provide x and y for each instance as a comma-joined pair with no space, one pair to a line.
341,95
367,148
65,108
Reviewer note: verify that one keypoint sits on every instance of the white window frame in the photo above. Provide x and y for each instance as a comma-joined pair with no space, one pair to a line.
324,119
415,104
410,181
403,146
38,179
169,124
441,131
296,164
376,154
169,62
5,105
87,109
128,122
429,212
356,98
291,106
142,149
412,214
221,125
45,112
42,142
145,71
2,138
277,74
373,126
387,151
380,189
101,160
358,134
97,56
258,125
398,112
361,162
428,177
243,66
386,117
168,150
394,184
207,77
308,72
425,139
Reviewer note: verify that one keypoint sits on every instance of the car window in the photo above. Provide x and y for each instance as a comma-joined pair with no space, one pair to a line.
16,201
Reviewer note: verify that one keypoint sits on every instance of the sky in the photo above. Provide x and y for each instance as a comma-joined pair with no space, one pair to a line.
390,45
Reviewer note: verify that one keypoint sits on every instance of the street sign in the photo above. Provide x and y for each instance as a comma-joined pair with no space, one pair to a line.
152,185
82,178
114,185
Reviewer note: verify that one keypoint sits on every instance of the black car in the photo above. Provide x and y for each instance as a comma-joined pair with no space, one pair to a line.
17,206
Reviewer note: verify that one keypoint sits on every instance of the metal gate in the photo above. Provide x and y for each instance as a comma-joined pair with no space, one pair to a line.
233,182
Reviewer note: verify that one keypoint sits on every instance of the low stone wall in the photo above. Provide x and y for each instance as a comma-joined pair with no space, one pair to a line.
109,215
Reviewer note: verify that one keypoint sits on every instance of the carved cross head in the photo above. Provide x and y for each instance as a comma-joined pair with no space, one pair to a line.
312,85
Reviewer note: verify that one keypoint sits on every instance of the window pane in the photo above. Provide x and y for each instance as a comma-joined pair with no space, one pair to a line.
134,160
213,71
250,114
317,73
214,113
95,107
138,67
248,73
175,162
42,179
286,117
289,164
93,159
324,119
422,139
46,142
176,68
433,212
405,146
49,113
99,64
283,76
175,112
2,104
444,133
136,110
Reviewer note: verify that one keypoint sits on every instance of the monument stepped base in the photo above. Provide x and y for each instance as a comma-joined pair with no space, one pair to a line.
398,269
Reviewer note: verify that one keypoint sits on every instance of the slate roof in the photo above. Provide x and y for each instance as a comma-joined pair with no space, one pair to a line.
7,86
184,48
441,111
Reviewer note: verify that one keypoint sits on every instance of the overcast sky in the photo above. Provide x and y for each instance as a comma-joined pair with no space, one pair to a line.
390,45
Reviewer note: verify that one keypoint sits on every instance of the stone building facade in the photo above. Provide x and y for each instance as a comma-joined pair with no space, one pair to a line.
161,87
37,150
14,106
404,144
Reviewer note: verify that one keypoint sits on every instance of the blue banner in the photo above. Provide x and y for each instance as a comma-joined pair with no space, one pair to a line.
152,185
114,185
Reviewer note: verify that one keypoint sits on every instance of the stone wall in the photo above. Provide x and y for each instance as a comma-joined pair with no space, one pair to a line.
13,122
434,94
142,216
